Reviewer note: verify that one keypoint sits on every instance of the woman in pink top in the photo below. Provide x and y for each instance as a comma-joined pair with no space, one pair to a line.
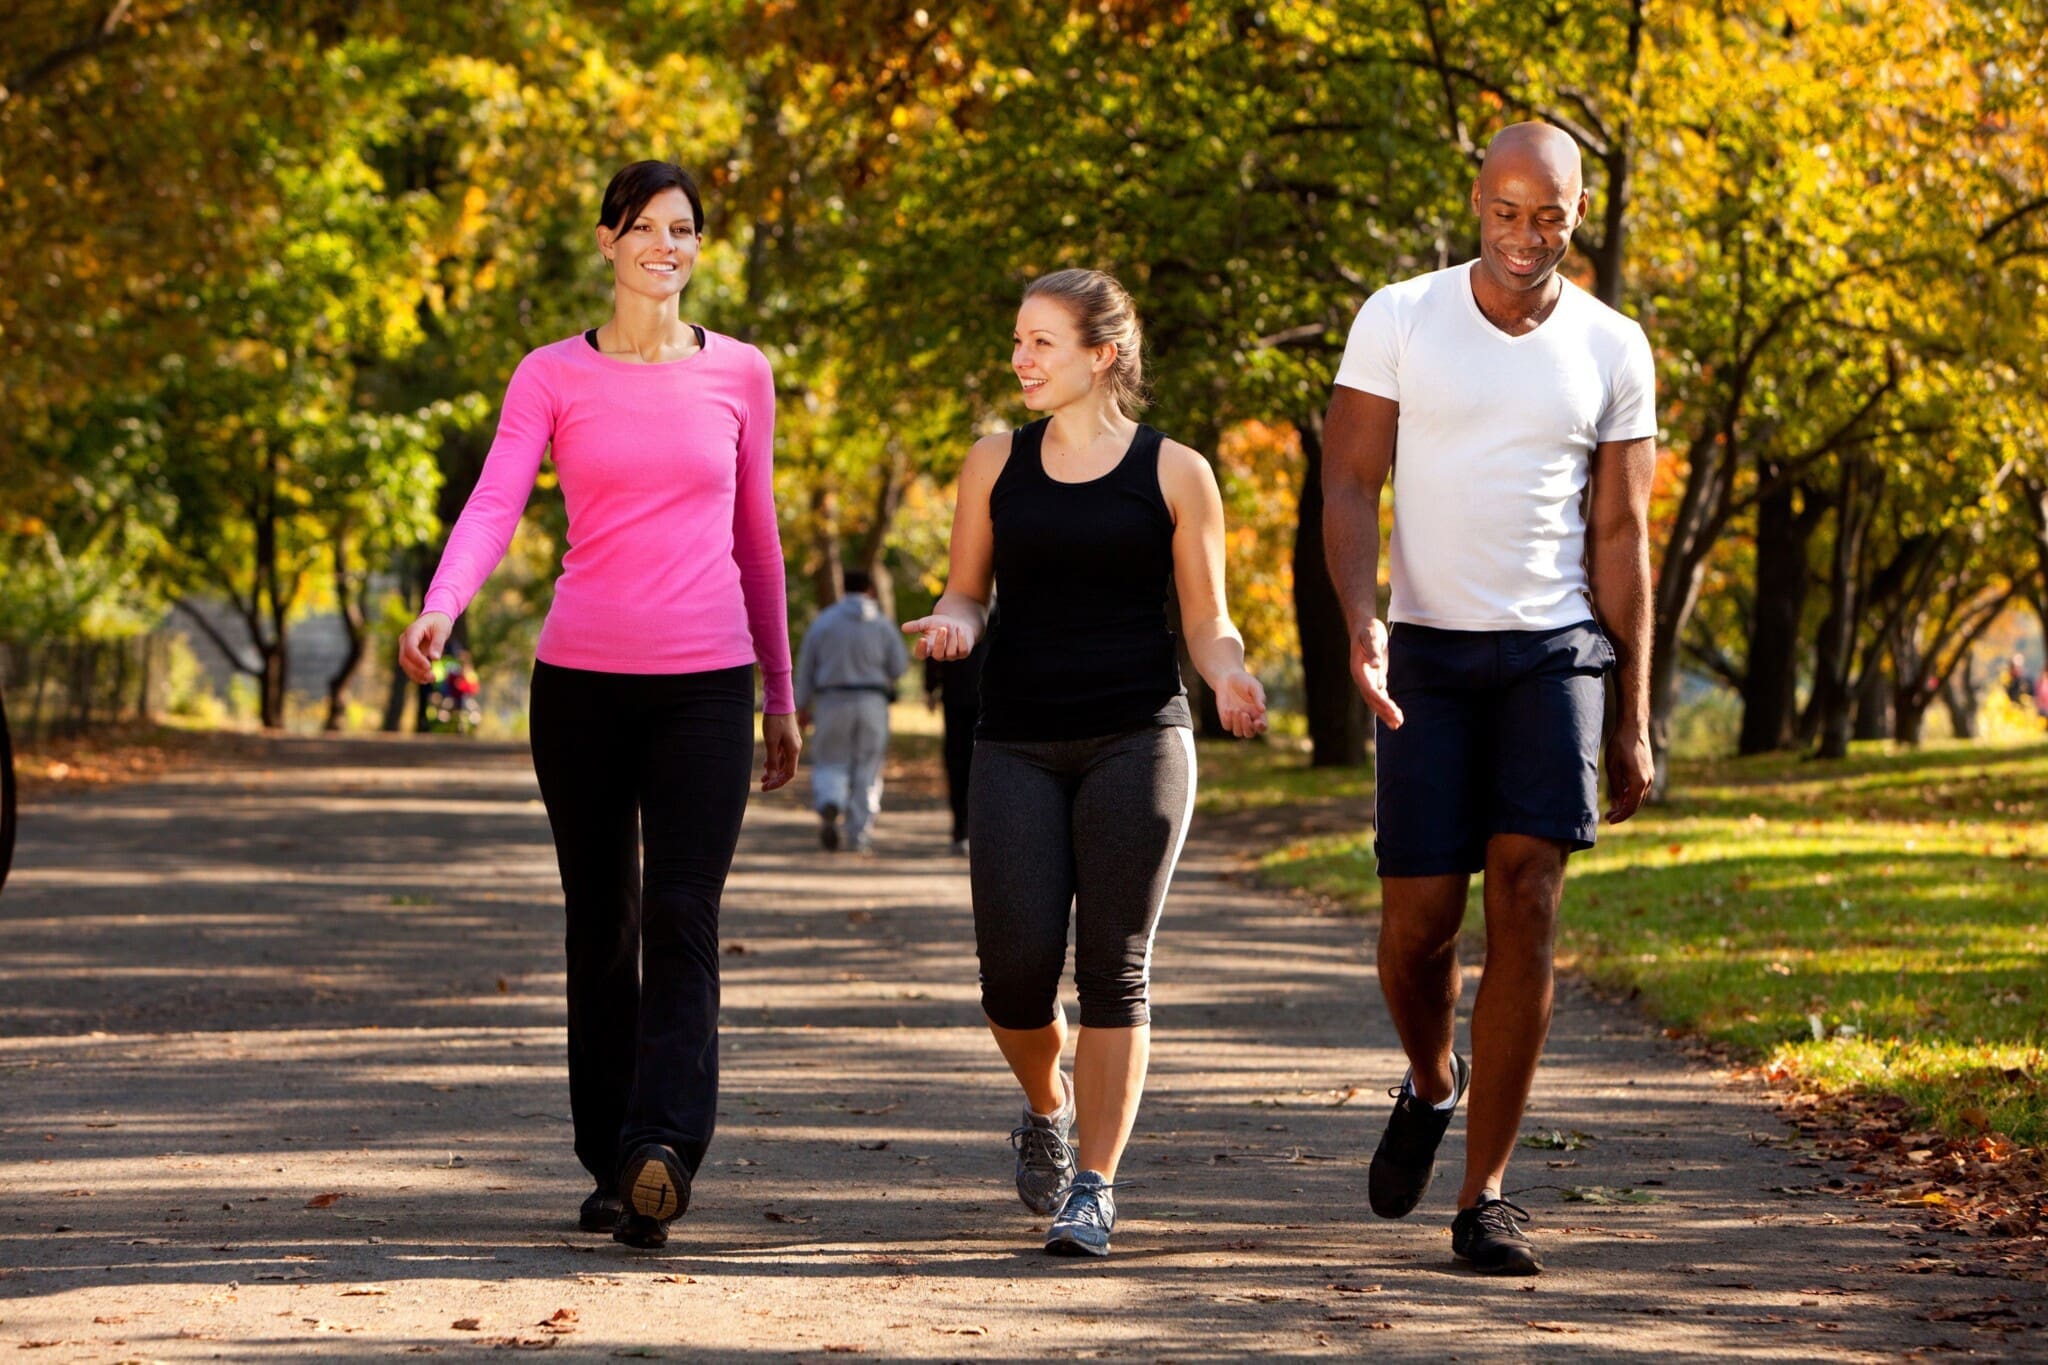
643,692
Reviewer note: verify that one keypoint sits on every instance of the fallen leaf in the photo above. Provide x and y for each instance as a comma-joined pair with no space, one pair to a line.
1552,1327
1346,1288
774,1216
962,1331
467,1324
562,1320
321,1201
363,1291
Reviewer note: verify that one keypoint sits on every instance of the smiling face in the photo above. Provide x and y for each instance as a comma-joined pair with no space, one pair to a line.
1049,360
1529,199
654,254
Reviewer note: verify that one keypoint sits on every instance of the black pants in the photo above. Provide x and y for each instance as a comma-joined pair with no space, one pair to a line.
621,756
1080,831
960,718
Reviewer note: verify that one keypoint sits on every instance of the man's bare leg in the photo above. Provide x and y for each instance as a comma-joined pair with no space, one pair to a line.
1418,966
1524,881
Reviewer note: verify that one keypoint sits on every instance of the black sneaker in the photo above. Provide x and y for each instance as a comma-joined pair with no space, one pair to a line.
654,1188
1487,1235
1406,1158
638,1230
601,1211
828,827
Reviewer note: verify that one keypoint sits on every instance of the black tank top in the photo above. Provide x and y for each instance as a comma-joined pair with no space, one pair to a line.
1078,641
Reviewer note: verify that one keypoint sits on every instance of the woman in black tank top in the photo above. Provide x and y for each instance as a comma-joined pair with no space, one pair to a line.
1077,527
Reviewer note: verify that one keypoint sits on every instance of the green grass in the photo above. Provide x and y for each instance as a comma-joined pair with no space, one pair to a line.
1238,775
1874,925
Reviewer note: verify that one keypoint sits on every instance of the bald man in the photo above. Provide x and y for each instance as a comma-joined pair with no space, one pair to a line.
1516,415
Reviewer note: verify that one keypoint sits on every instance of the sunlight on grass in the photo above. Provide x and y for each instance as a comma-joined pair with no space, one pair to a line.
1874,924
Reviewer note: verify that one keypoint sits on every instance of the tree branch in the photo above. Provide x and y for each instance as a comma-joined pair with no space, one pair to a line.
212,632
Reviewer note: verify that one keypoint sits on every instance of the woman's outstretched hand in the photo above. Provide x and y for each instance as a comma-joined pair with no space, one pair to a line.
422,643
1241,703
942,637
782,740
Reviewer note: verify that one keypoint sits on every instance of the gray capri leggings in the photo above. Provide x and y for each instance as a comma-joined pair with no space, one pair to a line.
1091,824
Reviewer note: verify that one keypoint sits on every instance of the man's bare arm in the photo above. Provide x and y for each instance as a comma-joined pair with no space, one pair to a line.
1618,563
1358,454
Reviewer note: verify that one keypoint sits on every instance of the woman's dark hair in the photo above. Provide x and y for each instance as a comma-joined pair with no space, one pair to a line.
632,187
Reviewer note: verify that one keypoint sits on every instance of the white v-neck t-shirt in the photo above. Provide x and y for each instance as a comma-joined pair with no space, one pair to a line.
1495,442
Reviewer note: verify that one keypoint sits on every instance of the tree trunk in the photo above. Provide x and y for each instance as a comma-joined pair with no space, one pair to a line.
1770,685
6,794
1833,699
270,699
1873,694
147,683
39,691
407,565
395,696
1961,695
828,576
1339,726
354,619
1693,531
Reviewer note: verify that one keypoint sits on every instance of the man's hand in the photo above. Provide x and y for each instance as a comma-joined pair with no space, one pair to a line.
1369,672
1630,770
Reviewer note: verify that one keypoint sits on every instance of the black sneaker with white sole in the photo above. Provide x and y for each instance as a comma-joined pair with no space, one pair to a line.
1405,1161
1489,1236
655,1188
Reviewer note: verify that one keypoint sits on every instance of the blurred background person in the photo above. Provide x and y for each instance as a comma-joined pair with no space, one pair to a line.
846,676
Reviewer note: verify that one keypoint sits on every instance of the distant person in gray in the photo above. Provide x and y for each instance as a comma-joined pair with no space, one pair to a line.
845,675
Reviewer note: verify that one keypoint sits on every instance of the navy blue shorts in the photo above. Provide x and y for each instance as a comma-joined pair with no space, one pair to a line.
1500,735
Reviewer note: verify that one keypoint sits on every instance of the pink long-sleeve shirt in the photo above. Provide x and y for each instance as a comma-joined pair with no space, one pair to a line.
674,562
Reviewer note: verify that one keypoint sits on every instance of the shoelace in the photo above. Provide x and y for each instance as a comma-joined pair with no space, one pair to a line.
1038,1144
1499,1216
1084,1205
1397,1091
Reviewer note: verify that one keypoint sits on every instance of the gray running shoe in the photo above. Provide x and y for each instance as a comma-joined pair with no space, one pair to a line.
1086,1218
1045,1155
828,827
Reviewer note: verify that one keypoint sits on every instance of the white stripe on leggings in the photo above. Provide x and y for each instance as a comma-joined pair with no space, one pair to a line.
1187,818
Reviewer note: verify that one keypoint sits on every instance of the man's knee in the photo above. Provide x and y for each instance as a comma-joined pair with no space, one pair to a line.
1420,917
1525,878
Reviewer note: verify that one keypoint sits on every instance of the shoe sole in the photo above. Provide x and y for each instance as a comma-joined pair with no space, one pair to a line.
653,1193
1518,1267
1066,1246
1046,1210
1387,1207
643,1239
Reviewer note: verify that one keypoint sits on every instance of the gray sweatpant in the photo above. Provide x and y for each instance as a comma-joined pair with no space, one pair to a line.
1091,826
847,747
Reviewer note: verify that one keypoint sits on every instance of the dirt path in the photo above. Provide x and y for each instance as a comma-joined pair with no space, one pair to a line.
237,991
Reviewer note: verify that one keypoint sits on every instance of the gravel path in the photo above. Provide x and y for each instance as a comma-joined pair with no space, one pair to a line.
281,1072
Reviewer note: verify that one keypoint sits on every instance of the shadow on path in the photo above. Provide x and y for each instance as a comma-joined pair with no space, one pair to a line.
229,993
